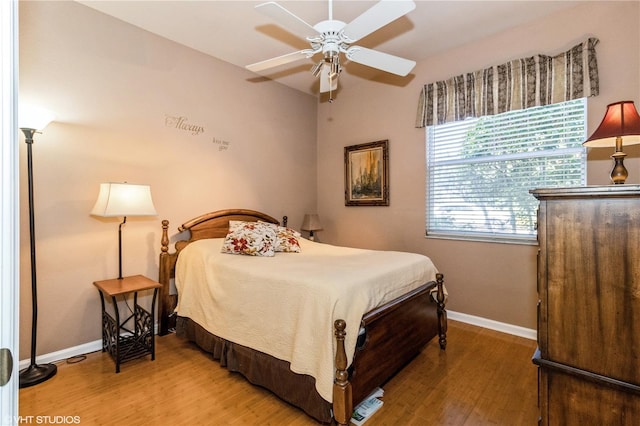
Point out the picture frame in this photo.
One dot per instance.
(366, 174)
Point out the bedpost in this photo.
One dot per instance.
(164, 241)
(342, 400)
(285, 220)
(442, 312)
(167, 262)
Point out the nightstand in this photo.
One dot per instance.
(122, 343)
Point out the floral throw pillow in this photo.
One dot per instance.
(287, 238)
(250, 238)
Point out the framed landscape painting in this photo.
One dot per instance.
(366, 174)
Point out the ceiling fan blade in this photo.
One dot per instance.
(280, 60)
(287, 20)
(379, 15)
(383, 61)
(328, 83)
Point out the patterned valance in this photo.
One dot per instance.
(521, 83)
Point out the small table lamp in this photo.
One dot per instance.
(311, 223)
(621, 119)
(123, 199)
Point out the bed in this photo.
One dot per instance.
(373, 333)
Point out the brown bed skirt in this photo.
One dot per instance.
(260, 369)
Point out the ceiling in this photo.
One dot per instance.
(234, 32)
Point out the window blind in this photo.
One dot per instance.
(480, 170)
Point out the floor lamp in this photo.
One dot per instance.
(30, 122)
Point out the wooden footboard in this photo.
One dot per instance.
(395, 332)
(393, 335)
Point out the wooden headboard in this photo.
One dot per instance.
(208, 225)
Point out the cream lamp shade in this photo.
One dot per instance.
(124, 199)
(30, 117)
(311, 223)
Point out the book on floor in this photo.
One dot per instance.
(367, 407)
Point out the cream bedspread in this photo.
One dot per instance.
(286, 305)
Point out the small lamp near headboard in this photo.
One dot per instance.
(311, 223)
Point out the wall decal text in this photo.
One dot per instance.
(222, 145)
(182, 123)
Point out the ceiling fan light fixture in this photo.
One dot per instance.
(335, 68)
(332, 37)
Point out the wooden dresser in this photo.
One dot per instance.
(589, 309)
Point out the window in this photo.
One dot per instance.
(480, 170)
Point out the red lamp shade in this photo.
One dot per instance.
(621, 119)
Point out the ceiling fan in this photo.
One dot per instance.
(333, 37)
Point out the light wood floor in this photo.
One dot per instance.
(483, 378)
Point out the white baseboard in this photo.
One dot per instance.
(85, 348)
(96, 345)
(516, 330)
